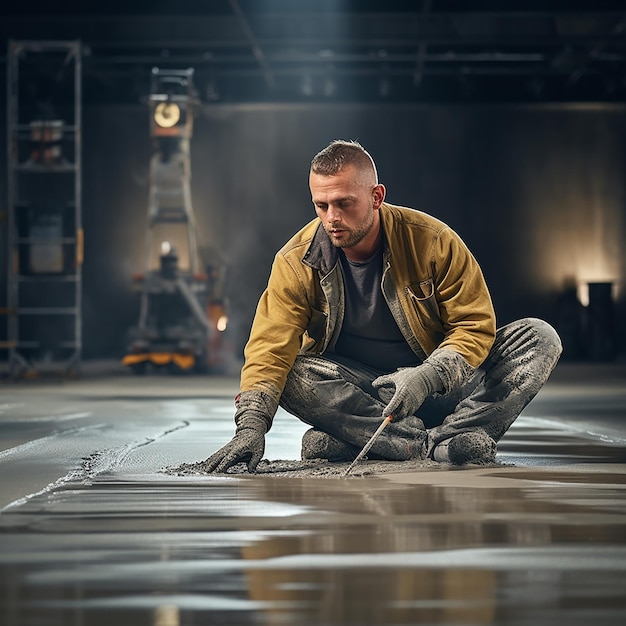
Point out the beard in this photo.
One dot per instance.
(352, 236)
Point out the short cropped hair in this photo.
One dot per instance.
(339, 153)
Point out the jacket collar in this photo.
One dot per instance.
(321, 254)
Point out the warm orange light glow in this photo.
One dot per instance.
(167, 114)
(222, 322)
(582, 288)
(574, 227)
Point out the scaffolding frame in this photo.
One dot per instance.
(53, 294)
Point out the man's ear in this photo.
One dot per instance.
(378, 195)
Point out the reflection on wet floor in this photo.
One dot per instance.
(475, 550)
(539, 539)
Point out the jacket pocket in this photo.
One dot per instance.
(422, 298)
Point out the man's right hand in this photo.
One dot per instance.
(247, 445)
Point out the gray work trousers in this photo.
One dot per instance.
(335, 395)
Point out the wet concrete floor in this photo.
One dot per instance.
(97, 528)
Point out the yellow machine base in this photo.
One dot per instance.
(183, 361)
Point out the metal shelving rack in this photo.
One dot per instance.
(45, 234)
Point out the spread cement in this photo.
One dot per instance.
(313, 468)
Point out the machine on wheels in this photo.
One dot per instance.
(183, 314)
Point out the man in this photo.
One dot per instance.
(374, 310)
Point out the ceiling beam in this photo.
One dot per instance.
(254, 45)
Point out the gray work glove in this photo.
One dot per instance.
(247, 445)
(405, 390)
(255, 410)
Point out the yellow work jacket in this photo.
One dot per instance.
(433, 285)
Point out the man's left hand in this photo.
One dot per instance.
(406, 389)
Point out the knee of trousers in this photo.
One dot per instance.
(303, 379)
(312, 369)
(545, 337)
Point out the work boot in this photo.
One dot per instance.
(316, 444)
(474, 447)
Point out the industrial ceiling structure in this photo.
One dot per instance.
(461, 51)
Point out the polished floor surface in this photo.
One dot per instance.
(95, 530)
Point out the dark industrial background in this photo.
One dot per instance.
(505, 119)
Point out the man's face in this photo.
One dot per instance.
(347, 203)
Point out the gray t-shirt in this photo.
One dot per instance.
(369, 333)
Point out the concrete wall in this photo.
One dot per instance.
(538, 193)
